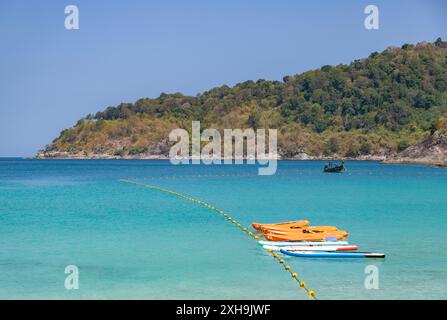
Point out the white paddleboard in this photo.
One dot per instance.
(302, 243)
(311, 248)
(319, 254)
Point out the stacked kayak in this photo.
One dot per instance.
(261, 226)
(306, 235)
(299, 231)
(299, 239)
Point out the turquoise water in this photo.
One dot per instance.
(136, 243)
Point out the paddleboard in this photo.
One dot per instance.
(316, 254)
(312, 248)
(302, 243)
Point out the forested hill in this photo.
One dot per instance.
(376, 106)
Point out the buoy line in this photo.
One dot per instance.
(199, 176)
(227, 217)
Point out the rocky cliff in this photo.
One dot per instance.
(431, 151)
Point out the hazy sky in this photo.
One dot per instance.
(125, 50)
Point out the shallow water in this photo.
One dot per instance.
(136, 243)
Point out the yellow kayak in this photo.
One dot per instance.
(305, 235)
(297, 224)
(293, 229)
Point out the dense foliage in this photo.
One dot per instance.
(377, 105)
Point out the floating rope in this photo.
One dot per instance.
(199, 176)
(230, 219)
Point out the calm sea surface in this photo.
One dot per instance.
(136, 243)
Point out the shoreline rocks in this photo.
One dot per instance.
(431, 151)
(41, 154)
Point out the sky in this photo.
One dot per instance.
(50, 77)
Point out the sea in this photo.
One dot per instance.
(71, 229)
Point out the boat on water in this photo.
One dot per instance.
(334, 168)
(321, 254)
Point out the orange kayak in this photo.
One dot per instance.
(297, 224)
(297, 229)
(306, 236)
